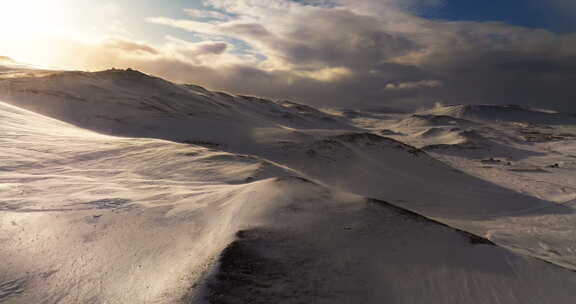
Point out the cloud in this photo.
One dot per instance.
(354, 53)
(206, 14)
(328, 74)
(422, 84)
(193, 50)
(129, 46)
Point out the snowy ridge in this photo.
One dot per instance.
(213, 198)
(130, 103)
(507, 113)
(269, 235)
(428, 120)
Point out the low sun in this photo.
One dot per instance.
(28, 17)
(34, 31)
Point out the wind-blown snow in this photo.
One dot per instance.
(196, 196)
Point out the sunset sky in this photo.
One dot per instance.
(336, 52)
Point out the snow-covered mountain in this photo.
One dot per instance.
(510, 113)
(119, 187)
(130, 103)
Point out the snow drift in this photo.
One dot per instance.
(205, 197)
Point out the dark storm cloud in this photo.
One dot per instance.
(365, 52)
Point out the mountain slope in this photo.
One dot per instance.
(508, 113)
(117, 220)
(176, 211)
(130, 103)
(534, 162)
(319, 145)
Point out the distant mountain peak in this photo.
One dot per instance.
(505, 113)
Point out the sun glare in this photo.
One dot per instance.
(26, 17)
(36, 31)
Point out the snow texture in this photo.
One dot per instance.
(119, 187)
